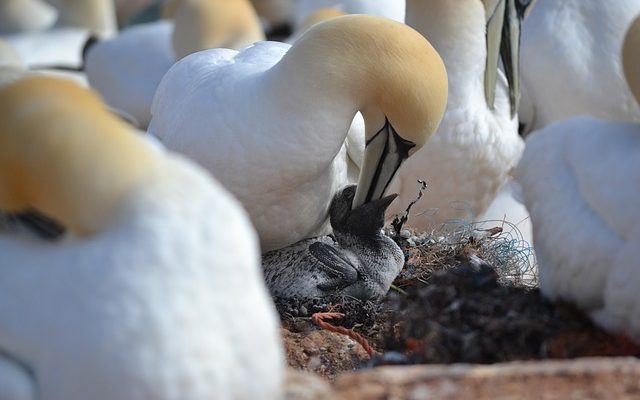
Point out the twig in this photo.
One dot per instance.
(399, 290)
(319, 319)
(400, 219)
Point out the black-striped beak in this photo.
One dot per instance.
(383, 155)
(503, 40)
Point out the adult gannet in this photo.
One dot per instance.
(393, 9)
(270, 121)
(469, 157)
(127, 69)
(580, 184)
(126, 9)
(319, 15)
(571, 64)
(275, 14)
(157, 293)
(359, 260)
(96, 16)
(62, 45)
(25, 15)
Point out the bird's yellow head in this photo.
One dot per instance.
(206, 24)
(398, 81)
(318, 16)
(391, 68)
(63, 154)
(631, 58)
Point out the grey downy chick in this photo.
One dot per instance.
(359, 260)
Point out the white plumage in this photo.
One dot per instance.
(9, 56)
(469, 157)
(18, 16)
(571, 64)
(271, 122)
(127, 69)
(392, 9)
(581, 184)
(156, 293)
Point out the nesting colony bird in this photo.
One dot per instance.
(571, 64)
(96, 16)
(319, 15)
(470, 156)
(580, 184)
(127, 9)
(17, 16)
(141, 299)
(61, 46)
(275, 13)
(127, 69)
(359, 260)
(392, 9)
(271, 121)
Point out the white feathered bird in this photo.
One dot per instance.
(127, 69)
(271, 121)
(155, 293)
(571, 62)
(470, 156)
(581, 184)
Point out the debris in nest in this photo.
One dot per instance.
(401, 219)
(319, 319)
(466, 294)
(457, 241)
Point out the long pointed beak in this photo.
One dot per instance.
(503, 39)
(495, 23)
(383, 155)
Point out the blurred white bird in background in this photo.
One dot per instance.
(127, 69)
(469, 158)
(392, 9)
(571, 62)
(581, 184)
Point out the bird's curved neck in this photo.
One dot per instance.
(457, 31)
(332, 88)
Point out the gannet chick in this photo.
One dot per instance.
(359, 260)
(580, 184)
(127, 69)
(141, 300)
(271, 120)
(471, 155)
(571, 62)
